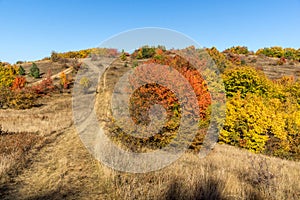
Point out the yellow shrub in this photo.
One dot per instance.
(247, 122)
(8, 74)
(237, 50)
(220, 59)
(245, 80)
(265, 125)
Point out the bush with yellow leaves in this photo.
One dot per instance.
(8, 74)
(262, 115)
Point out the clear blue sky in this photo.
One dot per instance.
(31, 29)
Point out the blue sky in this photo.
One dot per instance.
(31, 29)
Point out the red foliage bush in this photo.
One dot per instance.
(150, 94)
(18, 83)
(191, 75)
(45, 86)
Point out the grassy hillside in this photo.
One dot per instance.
(59, 166)
(42, 156)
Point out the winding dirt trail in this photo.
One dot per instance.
(59, 167)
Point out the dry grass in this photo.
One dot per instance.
(63, 168)
(227, 173)
(54, 114)
(271, 68)
(6, 163)
(14, 148)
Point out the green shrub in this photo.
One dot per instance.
(135, 63)
(290, 53)
(19, 62)
(298, 55)
(22, 71)
(243, 62)
(34, 71)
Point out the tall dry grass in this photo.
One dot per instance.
(227, 173)
(63, 168)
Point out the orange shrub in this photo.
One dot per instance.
(150, 94)
(45, 86)
(18, 83)
(192, 76)
(64, 82)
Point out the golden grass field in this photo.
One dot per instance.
(54, 164)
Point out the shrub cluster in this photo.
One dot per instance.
(220, 59)
(279, 52)
(83, 53)
(17, 95)
(237, 50)
(148, 95)
(147, 52)
(245, 80)
(262, 115)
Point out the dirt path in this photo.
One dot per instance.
(60, 167)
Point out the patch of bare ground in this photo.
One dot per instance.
(271, 67)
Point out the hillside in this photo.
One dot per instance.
(43, 157)
(271, 67)
(59, 166)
